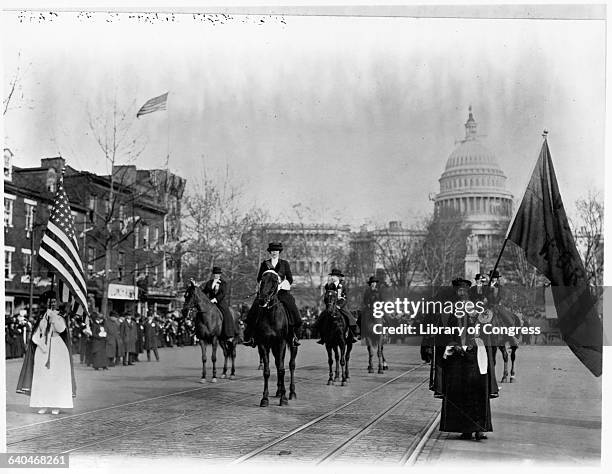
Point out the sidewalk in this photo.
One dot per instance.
(551, 414)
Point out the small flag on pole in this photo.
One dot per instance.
(60, 249)
(153, 105)
(542, 230)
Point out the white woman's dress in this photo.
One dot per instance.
(51, 386)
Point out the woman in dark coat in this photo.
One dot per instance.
(98, 343)
(215, 289)
(151, 327)
(114, 346)
(129, 334)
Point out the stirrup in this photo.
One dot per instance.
(295, 342)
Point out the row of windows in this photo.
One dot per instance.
(122, 272)
(490, 205)
(466, 160)
(471, 182)
(8, 212)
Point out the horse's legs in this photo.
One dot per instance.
(379, 354)
(292, 357)
(213, 357)
(233, 354)
(504, 353)
(382, 351)
(512, 358)
(343, 362)
(330, 361)
(264, 354)
(337, 357)
(225, 350)
(203, 348)
(370, 368)
(349, 348)
(279, 358)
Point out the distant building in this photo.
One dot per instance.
(474, 185)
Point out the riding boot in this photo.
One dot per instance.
(295, 342)
(248, 338)
(351, 334)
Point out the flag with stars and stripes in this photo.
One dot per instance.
(59, 247)
(153, 105)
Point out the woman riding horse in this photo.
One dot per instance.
(337, 338)
(283, 270)
(215, 290)
(323, 320)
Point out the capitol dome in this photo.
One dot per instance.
(474, 185)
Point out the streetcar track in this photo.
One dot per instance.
(364, 429)
(414, 450)
(306, 380)
(316, 420)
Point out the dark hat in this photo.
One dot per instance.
(461, 283)
(216, 270)
(47, 295)
(494, 274)
(275, 246)
(373, 280)
(336, 272)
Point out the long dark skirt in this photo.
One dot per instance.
(465, 406)
(98, 353)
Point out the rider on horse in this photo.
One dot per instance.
(337, 285)
(215, 289)
(282, 268)
(371, 295)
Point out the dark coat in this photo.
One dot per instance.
(229, 328)
(150, 335)
(282, 268)
(114, 343)
(98, 345)
(342, 293)
(129, 334)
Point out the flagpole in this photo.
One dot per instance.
(545, 136)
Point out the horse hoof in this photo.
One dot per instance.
(330, 382)
(232, 377)
(385, 367)
(213, 380)
(224, 376)
(260, 367)
(343, 384)
(277, 394)
(381, 371)
(264, 402)
(202, 380)
(512, 379)
(292, 396)
(283, 402)
(370, 370)
(504, 379)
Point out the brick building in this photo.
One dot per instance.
(139, 228)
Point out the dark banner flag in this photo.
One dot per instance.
(542, 230)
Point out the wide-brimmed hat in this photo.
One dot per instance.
(216, 270)
(461, 283)
(480, 277)
(373, 279)
(275, 246)
(336, 272)
(494, 274)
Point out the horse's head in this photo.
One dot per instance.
(330, 299)
(191, 300)
(268, 287)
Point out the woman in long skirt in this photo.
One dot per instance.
(98, 343)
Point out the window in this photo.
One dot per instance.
(51, 180)
(121, 212)
(8, 165)
(30, 207)
(145, 237)
(26, 258)
(155, 273)
(8, 210)
(155, 237)
(147, 269)
(121, 265)
(8, 262)
(136, 235)
(92, 204)
(91, 260)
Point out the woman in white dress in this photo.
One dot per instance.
(52, 385)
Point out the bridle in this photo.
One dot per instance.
(270, 297)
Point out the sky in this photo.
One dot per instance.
(353, 117)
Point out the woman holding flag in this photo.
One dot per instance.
(47, 374)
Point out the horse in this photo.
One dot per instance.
(272, 333)
(229, 348)
(503, 317)
(373, 340)
(208, 324)
(336, 338)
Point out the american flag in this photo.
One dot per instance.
(153, 105)
(60, 249)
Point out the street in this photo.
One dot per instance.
(161, 411)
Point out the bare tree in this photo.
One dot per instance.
(400, 254)
(112, 129)
(588, 234)
(444, 248)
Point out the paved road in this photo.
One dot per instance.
(160, 411)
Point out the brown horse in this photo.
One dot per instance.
(208, 324)
(229, 348)
(271, 333)
(336, 339)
